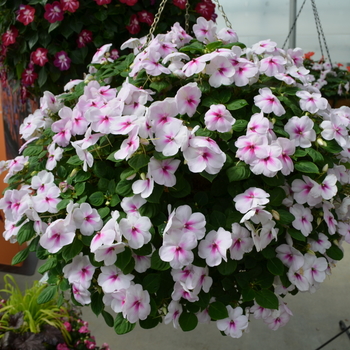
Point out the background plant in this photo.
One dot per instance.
(46, 43)
(195, 178)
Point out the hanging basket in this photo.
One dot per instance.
(193, 180)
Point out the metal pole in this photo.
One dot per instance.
(292, 21)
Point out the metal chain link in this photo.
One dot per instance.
(293, 25)
(187, 16)
(221, 9)
(155, 22)
(320, 31)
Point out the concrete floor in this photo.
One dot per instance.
(316, 320)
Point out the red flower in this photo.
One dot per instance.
(25, 14)
(340, 65)
(53, 12)
(129, 3)
(39, 56)
(145, 17)
(9, 37)
(205, 9)
(308, 55)
(29, 77)
(103, 2)
(84, 38)
(348, 68)
(134, 26)
(180, 4)
(69, 5)
(62, 61)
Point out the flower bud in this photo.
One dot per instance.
(325, 168)
(275, 214)
(319, 220)
(74, 172)
(321, 142)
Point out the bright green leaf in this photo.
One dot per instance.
(266, 299)
(47, 294)
(122, 326)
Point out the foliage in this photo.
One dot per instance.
(32, 39)
(193, 180)
(334, 82)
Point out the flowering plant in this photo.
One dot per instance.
(44, 43)
(333, 81)
(26, 322)
(193, 180)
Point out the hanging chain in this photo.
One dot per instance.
(320, 32)
(221, 9)
(293, 25)
(155, 22)
(187, 17)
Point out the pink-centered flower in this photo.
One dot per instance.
(62, 61)
(87, 219)
(214, 246)
(188, 99)
(235, 324)
(137, 304)
(301, 131)
(29, 76)
(53, 12)
(112, 279)
(136, 230)
(268, 102)
(84, 37)
(25, 14)
(303, 219)
(250, 199)
(218, 118)
(162, 171)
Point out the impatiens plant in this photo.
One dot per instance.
(192, 180)
(332, 80)
(44, 42)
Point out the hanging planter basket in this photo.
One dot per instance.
(194, 180)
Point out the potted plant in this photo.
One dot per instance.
(28, 322)
(45, 43)
(332, 80)
(193, 180)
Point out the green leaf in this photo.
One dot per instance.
(217, 310)
(79, 188)
(210, 177)
(32, 151)
(122, 326)
(71, 250)
(239, 125)
(97, 198)
(49, 264)
(156, 194)
(316, 156)
(237, 104)
(103, 212)
(150, 322)
(201, 199)
(33, 40)
(157, 263)
(296, 234)
(53, 26)
(159, 85)
(277, 195)
(42, 77)
(286, 217)
(266, 299)
(146, 249)
(139, 161)
(332, 147)
(108, 318)
(74, 160)
(213, 45)
(47, 294)
(82, 176)
(127, 173)
(123, 259)
(151, 282)
(275, 266)
(300, 153)
(124, 188)
(306, 167)
(26, 232)
(63, 204)
(248, 294)
(20, 256)
(64, 285)
(188, 321)
(238, 173)
(217, 219)
(334, 252)
(97, 304)
(115, 200)
(227, 268)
